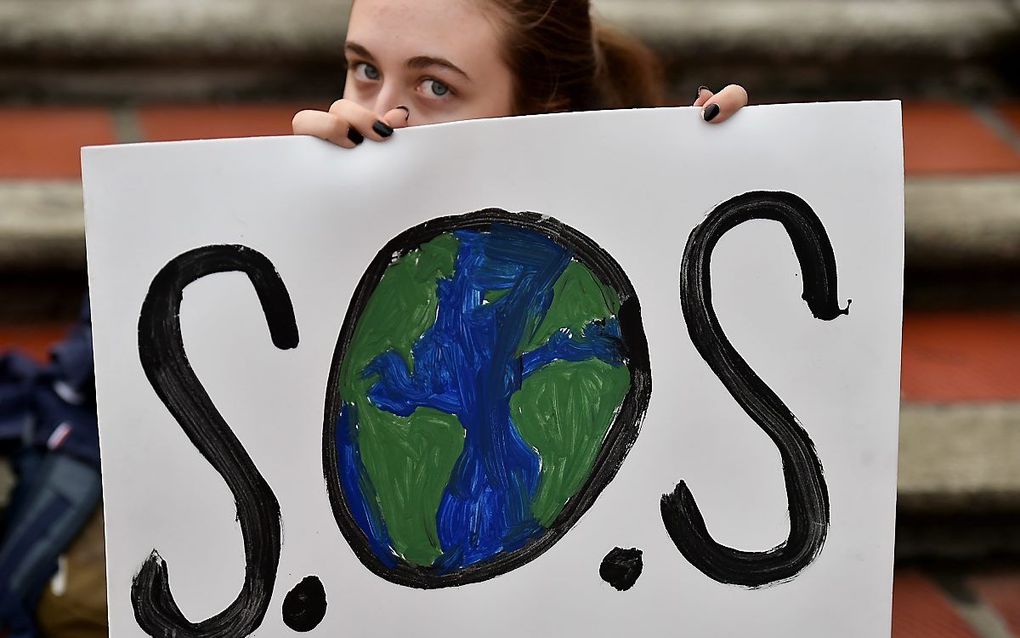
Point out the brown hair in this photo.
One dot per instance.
(564, 60)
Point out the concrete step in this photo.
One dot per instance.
(963, 222)
(782, 49)
(105, 29)
(42, 226)
(960, 457)
(959, 481)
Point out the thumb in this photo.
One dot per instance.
(398, 117)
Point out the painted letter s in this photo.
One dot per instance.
(161, 349)
(802, 470)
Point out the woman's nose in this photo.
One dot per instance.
(388, 98)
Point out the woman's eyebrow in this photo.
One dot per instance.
(357, 49)
(423, 61)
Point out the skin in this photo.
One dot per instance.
(411, 62)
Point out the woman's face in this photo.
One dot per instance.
(439, 58)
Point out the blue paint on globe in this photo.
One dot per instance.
(469, 363)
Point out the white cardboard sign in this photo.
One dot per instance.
(588, 374)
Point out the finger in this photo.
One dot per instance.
(724, 104)
(362, 120)
(322, 125)
(399, 117)
(704, 93)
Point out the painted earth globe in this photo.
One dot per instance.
(490, 377)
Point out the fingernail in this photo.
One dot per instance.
(407, 118)
(382, 129)
(354, 136)
(710, 112)
(700, 89)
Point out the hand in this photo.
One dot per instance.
(718, 107)
(347, 123)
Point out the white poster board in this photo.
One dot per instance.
(643, 187)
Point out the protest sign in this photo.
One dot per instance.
(568, 375)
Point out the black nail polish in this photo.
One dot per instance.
(382, 129)
(700, 89)
(407, 111)
(354, 136)
(710, 112)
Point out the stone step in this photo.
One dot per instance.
(959, 482)
(105, 29)
(782, 49)
(962, 222)
(960, 457)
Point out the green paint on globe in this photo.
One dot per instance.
(563, 410)
(408, 459)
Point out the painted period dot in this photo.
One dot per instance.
(304, 607)
(621, 567)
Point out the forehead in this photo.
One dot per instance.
(396, 30)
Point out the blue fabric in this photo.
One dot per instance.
(56, 496)
(72, 360)
(18, 376)
(48, 424)
(36, 400)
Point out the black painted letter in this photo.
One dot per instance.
(161, 349)
(802, 470)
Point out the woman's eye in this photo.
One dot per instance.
(365, 71)
(435, 88)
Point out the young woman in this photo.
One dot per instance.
(412, 62)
